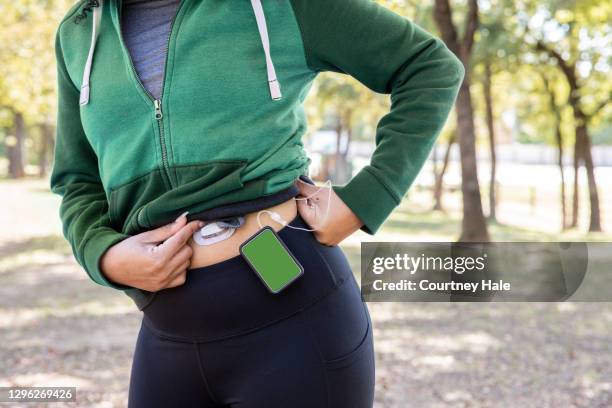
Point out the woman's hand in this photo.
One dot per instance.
(152, 260)
(331, 228)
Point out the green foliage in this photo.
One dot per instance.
(579, 30)
(27, 72)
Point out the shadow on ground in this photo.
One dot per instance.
(57, 327)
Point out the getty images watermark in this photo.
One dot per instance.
(509, 271)
(413, 264)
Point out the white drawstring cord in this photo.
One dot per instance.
(273, 83)
(95, 31)
(276, 216)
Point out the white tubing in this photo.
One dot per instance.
(279, 219)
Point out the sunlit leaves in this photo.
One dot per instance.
(27, 72)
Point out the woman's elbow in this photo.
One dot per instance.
(452, 65)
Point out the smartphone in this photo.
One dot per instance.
(271, 260)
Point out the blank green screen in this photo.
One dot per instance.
(271, 260)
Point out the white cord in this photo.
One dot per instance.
(260, 17)
(277, 217)
(95, 32)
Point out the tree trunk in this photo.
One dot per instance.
(46, 146)
(341, 171)
(583, 142)
(595, 219)
(491, 131)
(349, 139)
(576, 186)
(559, 139)
(439, 184)
(15, 148)
(339, 130)
(474, 226)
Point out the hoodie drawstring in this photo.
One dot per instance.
(273, 84)
(95, 30)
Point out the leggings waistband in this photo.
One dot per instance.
(228, 299)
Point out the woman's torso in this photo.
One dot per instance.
(214, 136)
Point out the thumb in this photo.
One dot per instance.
(165, 231)
(305, 188)
(307, 212)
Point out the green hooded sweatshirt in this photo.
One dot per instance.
(229, 123)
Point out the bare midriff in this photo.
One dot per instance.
(205, 255)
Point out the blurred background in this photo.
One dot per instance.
(525, 156)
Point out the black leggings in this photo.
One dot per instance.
(223, 340)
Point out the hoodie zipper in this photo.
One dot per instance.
(159, 115)
(157, 103)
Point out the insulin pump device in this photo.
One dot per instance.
(264, 251)
(271, 260)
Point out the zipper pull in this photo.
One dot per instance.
(158, 111)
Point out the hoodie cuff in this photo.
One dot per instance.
(368, 198)
(93, 252)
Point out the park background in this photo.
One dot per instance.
(525, 156)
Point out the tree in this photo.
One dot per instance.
(583, 154)
(439, 174)
(488, 97)
(27, 72)
(474, 227)
(15, 147)
(576, 26)
(46, 145)
(350, 106)
(556, 111)
(494, 53)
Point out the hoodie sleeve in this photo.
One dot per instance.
(84, 208)
(390, 55)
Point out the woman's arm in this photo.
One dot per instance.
(391, 55)
(75, 177)
(152, 260)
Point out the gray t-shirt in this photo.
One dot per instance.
(146, 28)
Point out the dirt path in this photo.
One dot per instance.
(57, 328)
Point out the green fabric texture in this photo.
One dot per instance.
(84, 208)
(121, 167)
(388, 54)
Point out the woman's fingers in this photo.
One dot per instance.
(154, 259)
(158, 235)
(178, 259)
(176, 266)
(176, 272)
(308, 212)
(178, 280)
(170, 259)
(178, 240)
(325, 212)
